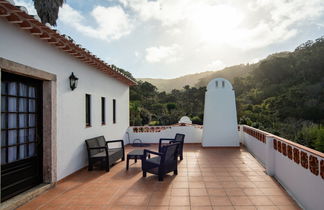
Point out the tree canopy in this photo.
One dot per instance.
(48, 10)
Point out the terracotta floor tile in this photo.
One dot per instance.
(159, 201)
(281, 200)
(271, 191)
(198, 192)
(266, 184)
(49, 206)
(201, 208)
(196, 185)
(177, 192)
(158, 208)
(267, 208)
(179, 201)
(253, 192)
(216, 192)
(245, 184)
(260, 200)
(220, 201)
(223, 208)
(181, 185)
(245, 208)
(240, 200)
(234, 191)
(179, 208)
(200, 201)
(207, 179)
(132, 201)
(229, 184)
(288, 207)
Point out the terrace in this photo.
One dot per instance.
(217, 178)
(209, 178)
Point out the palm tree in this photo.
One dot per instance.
(48, 10)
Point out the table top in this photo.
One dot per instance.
(138, 152)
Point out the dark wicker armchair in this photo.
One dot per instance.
(164, 162)
(98, 150)
(179, 138)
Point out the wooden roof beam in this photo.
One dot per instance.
(3, 12)
(25, 25)
(12, 18)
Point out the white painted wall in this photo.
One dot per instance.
(220, 123)
(19, 46)
(255, 147)
(306, 188)
(193, 134)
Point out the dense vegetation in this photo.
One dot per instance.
(282, 94)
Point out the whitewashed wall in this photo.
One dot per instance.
(19, 46)
(256, 148)
(193, 134)
(220, 121)
(304, 186)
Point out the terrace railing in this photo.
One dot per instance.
(299, 169)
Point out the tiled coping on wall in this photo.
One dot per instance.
(156, 129)
(304, 156)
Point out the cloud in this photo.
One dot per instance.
(28, 4)
(252, 25)
(165, 54)
(215, 65)
(112, 23)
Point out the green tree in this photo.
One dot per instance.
(48, 10)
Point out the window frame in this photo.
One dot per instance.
(88, 110)
(114, 111)
(103, 110)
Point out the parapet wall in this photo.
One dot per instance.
(299, 169)
(152, 134)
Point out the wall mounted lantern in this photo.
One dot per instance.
(73, 81)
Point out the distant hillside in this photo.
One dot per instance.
(200, 79)
(177, 83)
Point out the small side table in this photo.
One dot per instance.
(134, 154)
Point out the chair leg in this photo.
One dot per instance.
(160, 177)
(181, 157)
(90, 166)
(107, 164)
(175, 172)
(144, 173)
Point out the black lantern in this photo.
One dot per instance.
(73, 81)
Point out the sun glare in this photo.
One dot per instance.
(216, 24)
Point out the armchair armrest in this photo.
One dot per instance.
(115, 141)
(97, 148)
(166, 139)
(112, 141)
(151, 152)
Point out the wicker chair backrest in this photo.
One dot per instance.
(96, 142)
(179, 137)
(170, 152)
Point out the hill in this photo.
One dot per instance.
(177, 83)
(199, 79)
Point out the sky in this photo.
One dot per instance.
(172, 38)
